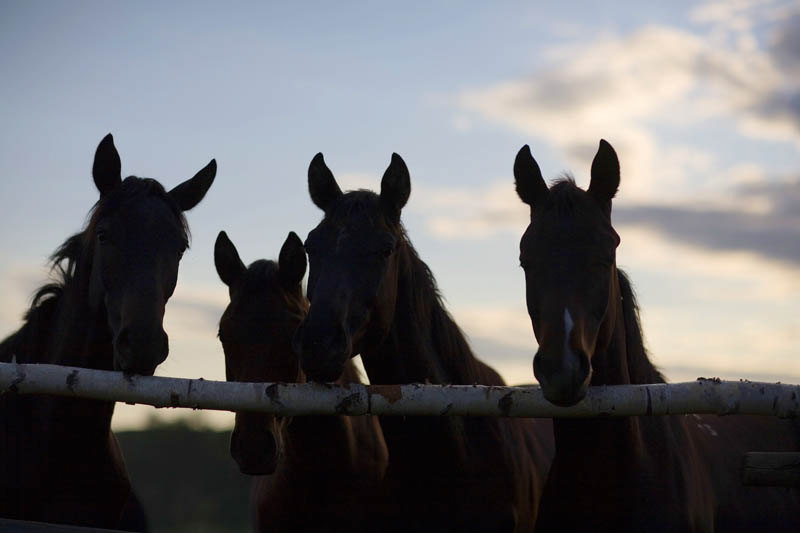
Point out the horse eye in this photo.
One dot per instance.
(101, 236)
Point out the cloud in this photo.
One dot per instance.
(717, 276)
(470, 213)
(625, 88)
(18, 283)
(773, 234)
(196, 306)
(757, 216)
(507, 323)
(785, 46)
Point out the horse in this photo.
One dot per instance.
(313, 471)
(663, 473)
(59, 460)
(371, 294)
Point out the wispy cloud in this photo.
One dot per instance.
(719, 281)
(622, 87)
(757, 216)
(729, 310)
(18, 283)
(773, 231)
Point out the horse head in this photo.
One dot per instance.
(138, 234)
(353, 257)
(256, 332)
(568, 253)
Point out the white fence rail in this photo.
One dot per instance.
(702, 396)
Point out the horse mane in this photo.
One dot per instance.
(131, 190)
(457, 363)
(351, 374)
(456, 358)
(563, 198)
(563, 195)
(27, 342)
(263, 274)
(640, 368)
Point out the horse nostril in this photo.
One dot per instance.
(546, 367)
(297, 339)
(584, 366)
(164, 348)
(537, 368)
(564, 377)
(254, 450)
(123, 341)
(270, 445)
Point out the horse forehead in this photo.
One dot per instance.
(149, 217)
(558, 238)
(354, 231)
(152, 208)
(567, 229)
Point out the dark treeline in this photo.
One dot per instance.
(177, 495)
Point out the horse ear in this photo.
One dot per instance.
(107, 168)
(528, 179)
(322, 185)
(189, 193)
(292, 261)
(229, 266)
(395, 186)
(605, 174)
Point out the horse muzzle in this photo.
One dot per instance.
(255, 452)
(140, 353)
(565, 379)
(322, 353)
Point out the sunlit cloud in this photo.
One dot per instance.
(720, 284)
(621, 87)
(18, 283)
(727, 310)
(730, 315)
(765, 220)
(757, 216)
(507, 324)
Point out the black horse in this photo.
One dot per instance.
(370, 293)
(59, 460)
(314, 472)
(664, 473)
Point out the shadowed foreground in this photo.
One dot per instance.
(186, 480)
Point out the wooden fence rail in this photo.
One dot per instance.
(710, 396)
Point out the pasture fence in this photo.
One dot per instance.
(703, 396)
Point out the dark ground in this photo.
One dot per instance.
(186, 480)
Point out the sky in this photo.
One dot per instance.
(701, 101)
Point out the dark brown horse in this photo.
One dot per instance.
(371, 294)
(59, 460)
(667, 473)
(314, 471)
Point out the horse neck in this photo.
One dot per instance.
(623, 362)
(80, 334)
(320, 443)
(424, 344)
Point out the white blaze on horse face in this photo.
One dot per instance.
(567, 331)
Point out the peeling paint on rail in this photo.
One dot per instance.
(704, 396)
